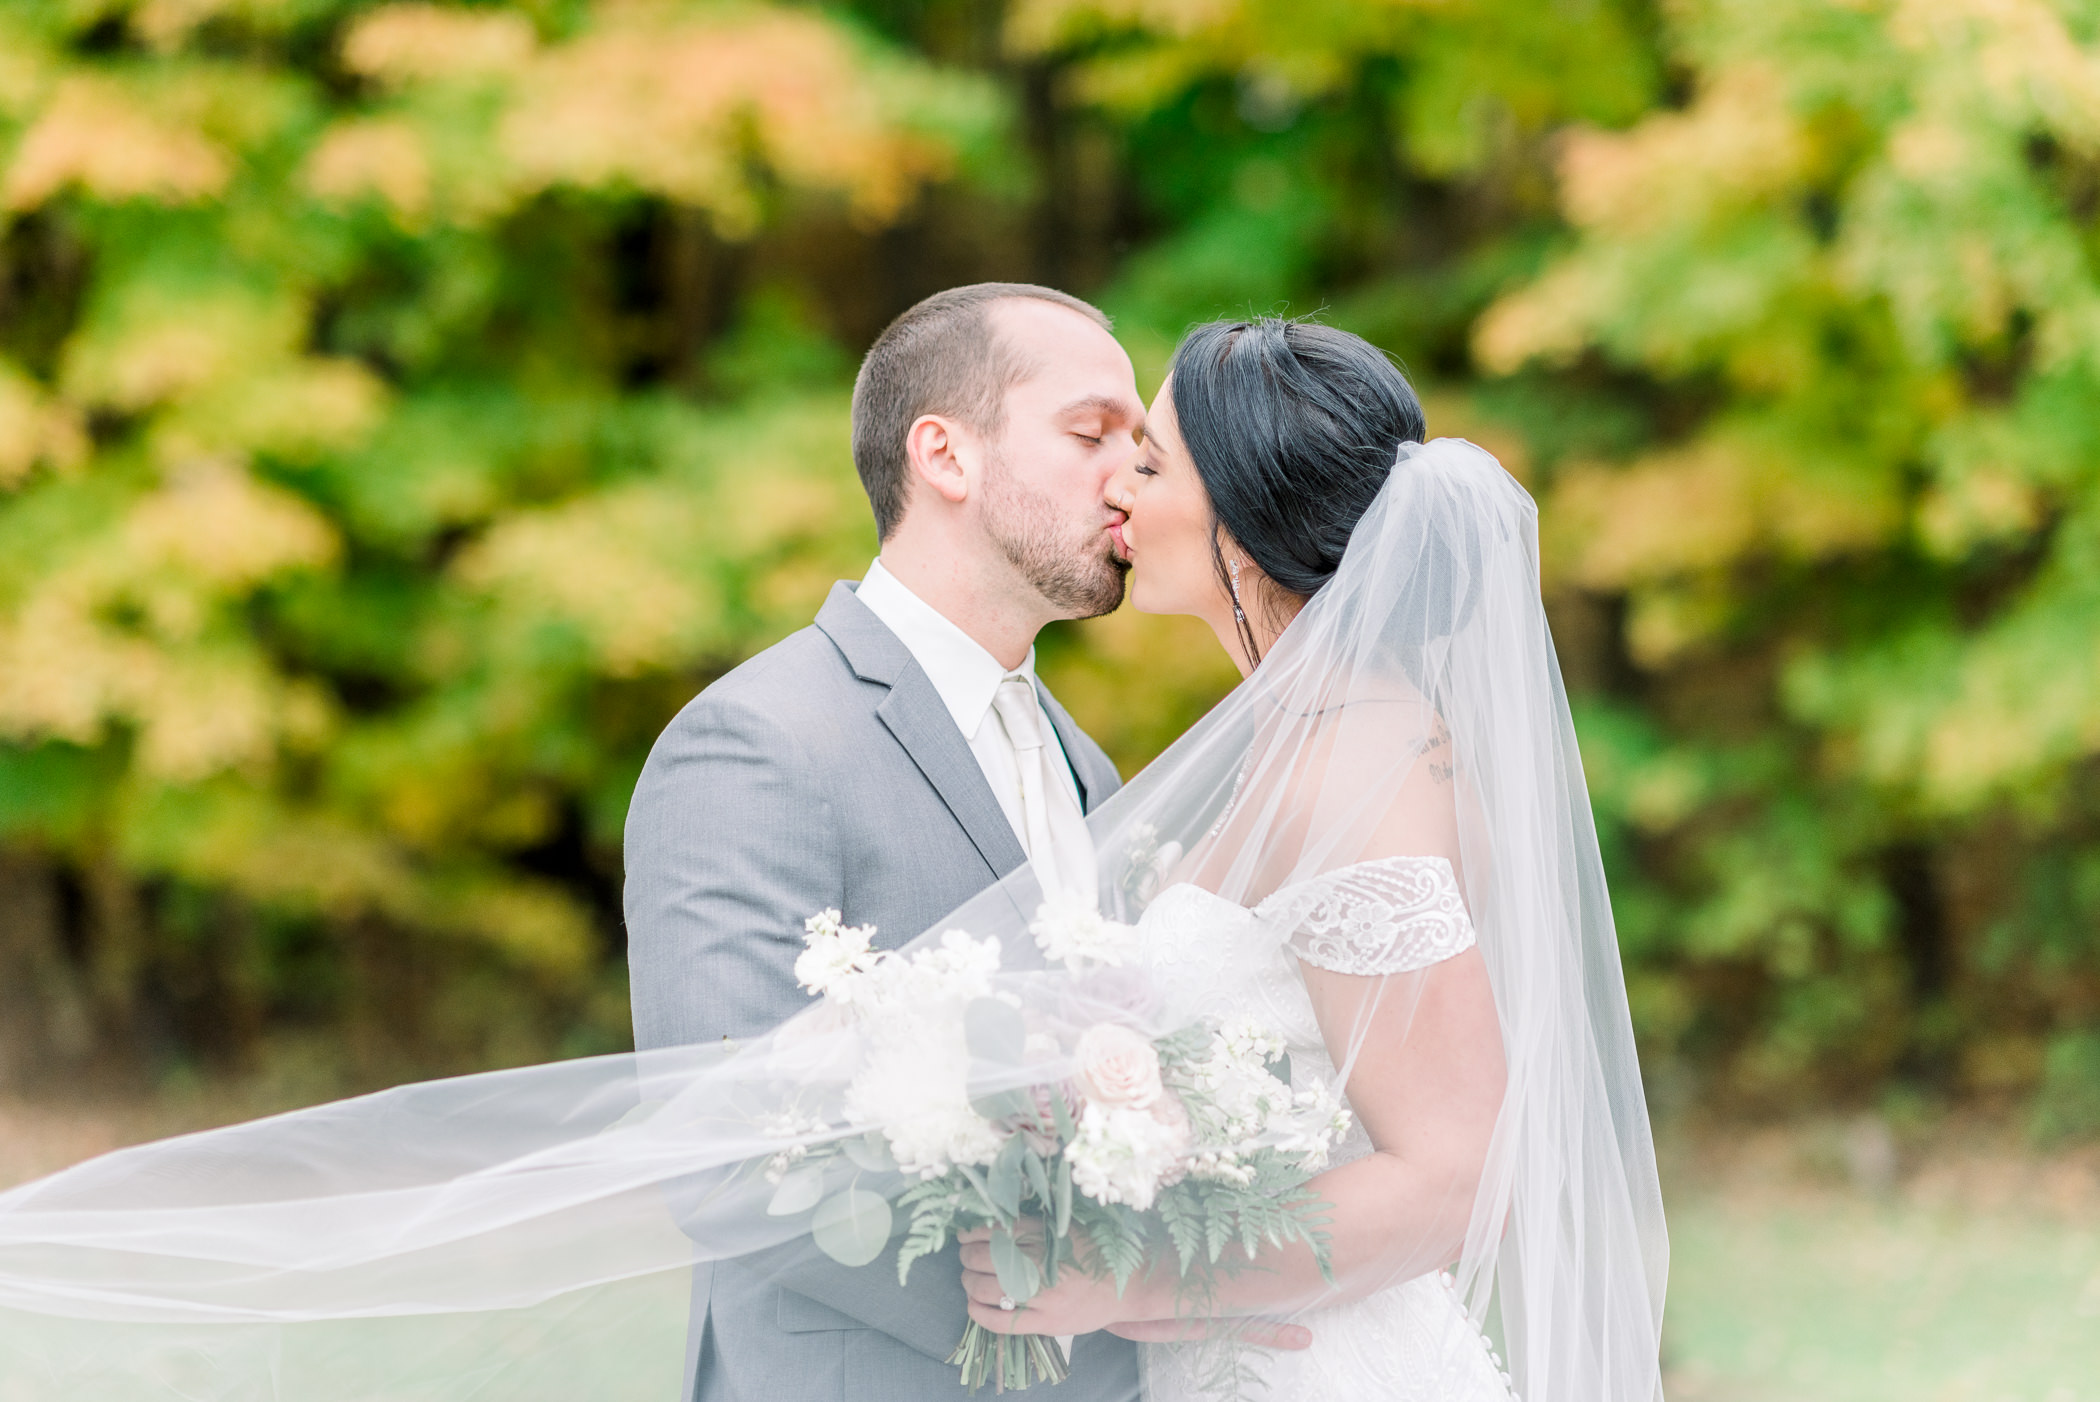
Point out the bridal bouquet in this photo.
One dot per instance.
(1118, 1143)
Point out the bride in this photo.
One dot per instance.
(1379, 844)
(1334, 896)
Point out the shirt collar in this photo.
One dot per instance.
(962, 672)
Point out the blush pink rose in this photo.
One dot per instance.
(1117, 1067)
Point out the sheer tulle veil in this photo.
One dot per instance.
(529, 1232)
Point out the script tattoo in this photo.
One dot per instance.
(1441, 766)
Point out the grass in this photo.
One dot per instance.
(1974, 1276)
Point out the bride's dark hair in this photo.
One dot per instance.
(1293, 427)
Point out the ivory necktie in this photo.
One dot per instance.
(1056, 838)
(1055, 830)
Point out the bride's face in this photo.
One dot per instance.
(1166, 534)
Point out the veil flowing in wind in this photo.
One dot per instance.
(528, 1233)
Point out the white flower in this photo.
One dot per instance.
(1073, 934)
(914, 1088)
(1124, 1155)
(1244, 1038)
(1314, 1123)
(1149, 863)
(1221, 1166)
(842, 965)
(928, 1144)
(912, 1082)
(837, 955)
(1235, 1097)
(789, 1124)
(956, 970)
(1117, 1066)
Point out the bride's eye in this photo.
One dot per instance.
(1144, 470)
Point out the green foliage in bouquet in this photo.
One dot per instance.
(1041, 1225)
(1088, 1148)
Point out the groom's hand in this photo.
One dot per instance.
(1082, 1302)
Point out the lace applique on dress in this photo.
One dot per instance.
(1393, 915)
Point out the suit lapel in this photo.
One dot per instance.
(913, 713)
(922, 725)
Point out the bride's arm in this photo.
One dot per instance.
(1427, 1084)
(1422, 1047)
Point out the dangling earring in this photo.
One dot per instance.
(1239, 615)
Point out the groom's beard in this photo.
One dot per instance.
(1074, 567)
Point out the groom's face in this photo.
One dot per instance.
(1073, 421)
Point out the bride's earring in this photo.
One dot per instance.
(1239, 615)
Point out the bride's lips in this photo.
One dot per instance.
(1115, 533)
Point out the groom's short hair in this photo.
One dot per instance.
(940, 357)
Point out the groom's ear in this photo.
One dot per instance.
(942, 455)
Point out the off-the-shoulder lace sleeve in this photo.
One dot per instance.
(1389, 916)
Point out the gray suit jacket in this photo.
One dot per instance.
(825, 772)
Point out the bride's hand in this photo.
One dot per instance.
(1082, 1302)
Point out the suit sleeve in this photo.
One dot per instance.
(731, 844)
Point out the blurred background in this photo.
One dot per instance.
(404, 409)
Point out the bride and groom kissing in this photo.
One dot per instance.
(900, 755)
(1324, 1073)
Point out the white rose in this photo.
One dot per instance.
(1117, 1067)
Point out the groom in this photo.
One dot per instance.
(891, 761)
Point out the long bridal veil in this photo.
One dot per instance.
(529, 1233)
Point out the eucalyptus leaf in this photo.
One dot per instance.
(1000, 1104)
(1018, 1274)
(1280, 1068)
(1038, 1176)
(976, 1180)
(871, 1152)
(799, 1190)
(1064, 1196)
(852, 1227)
(1062, 1113)
(1003, 1180)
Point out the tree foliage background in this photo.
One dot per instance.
(404, 408)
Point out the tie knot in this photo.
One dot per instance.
(1015, 703)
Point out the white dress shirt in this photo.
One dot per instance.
(966, 677)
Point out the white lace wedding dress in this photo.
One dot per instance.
(1411, 1341)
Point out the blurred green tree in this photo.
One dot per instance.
(1854, 281)
(404, 408)
(381, 469)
